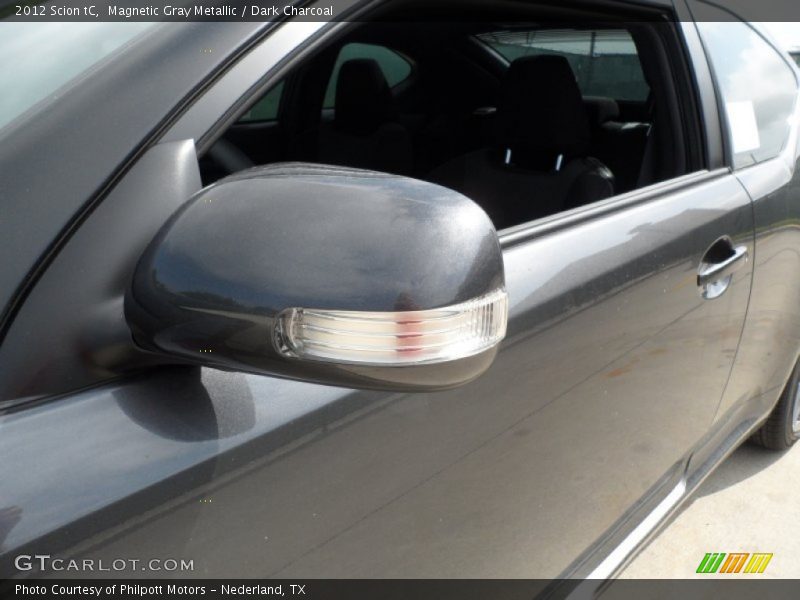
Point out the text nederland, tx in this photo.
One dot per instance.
(125, 589)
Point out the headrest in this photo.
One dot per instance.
(601, 109)
(540, 108)
(363, 98)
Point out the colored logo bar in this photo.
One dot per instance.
(735, 562)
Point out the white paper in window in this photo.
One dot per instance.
(744, 128)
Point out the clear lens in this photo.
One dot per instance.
(394, 338)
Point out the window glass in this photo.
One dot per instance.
(758, 90)
(605, 62)
(395, 68)
(265, 109)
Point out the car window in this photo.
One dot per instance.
(267, 108)
(395, 67)
(605, 62)
(758, 115)
(40, 58)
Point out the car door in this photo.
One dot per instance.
(761, 132)
(612, 370)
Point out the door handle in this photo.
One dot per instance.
(714, 271)
(718, 266)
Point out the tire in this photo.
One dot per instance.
(782, 429)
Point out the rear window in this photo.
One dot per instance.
(759, 90)
(605, 62)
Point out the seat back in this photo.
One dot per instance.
(538, 163)
(364, 132)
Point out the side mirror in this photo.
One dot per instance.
(325, 274)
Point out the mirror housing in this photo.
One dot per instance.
(325, 274)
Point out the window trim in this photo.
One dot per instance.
(526, 232)
(245, 82)
(206, 130)
(711, 125)
(703, 108)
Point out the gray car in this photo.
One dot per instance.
(395, 295)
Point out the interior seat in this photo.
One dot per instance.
(539, 163)
(600, 110)
(364, 132)
(618, 144)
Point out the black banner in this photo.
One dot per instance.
(319, 10)
(403, 589)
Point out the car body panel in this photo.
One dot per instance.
(435, 473)
(93, 339)
(55, 167)
(771, 339)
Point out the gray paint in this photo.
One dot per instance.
(55, 166)
(68, 335)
